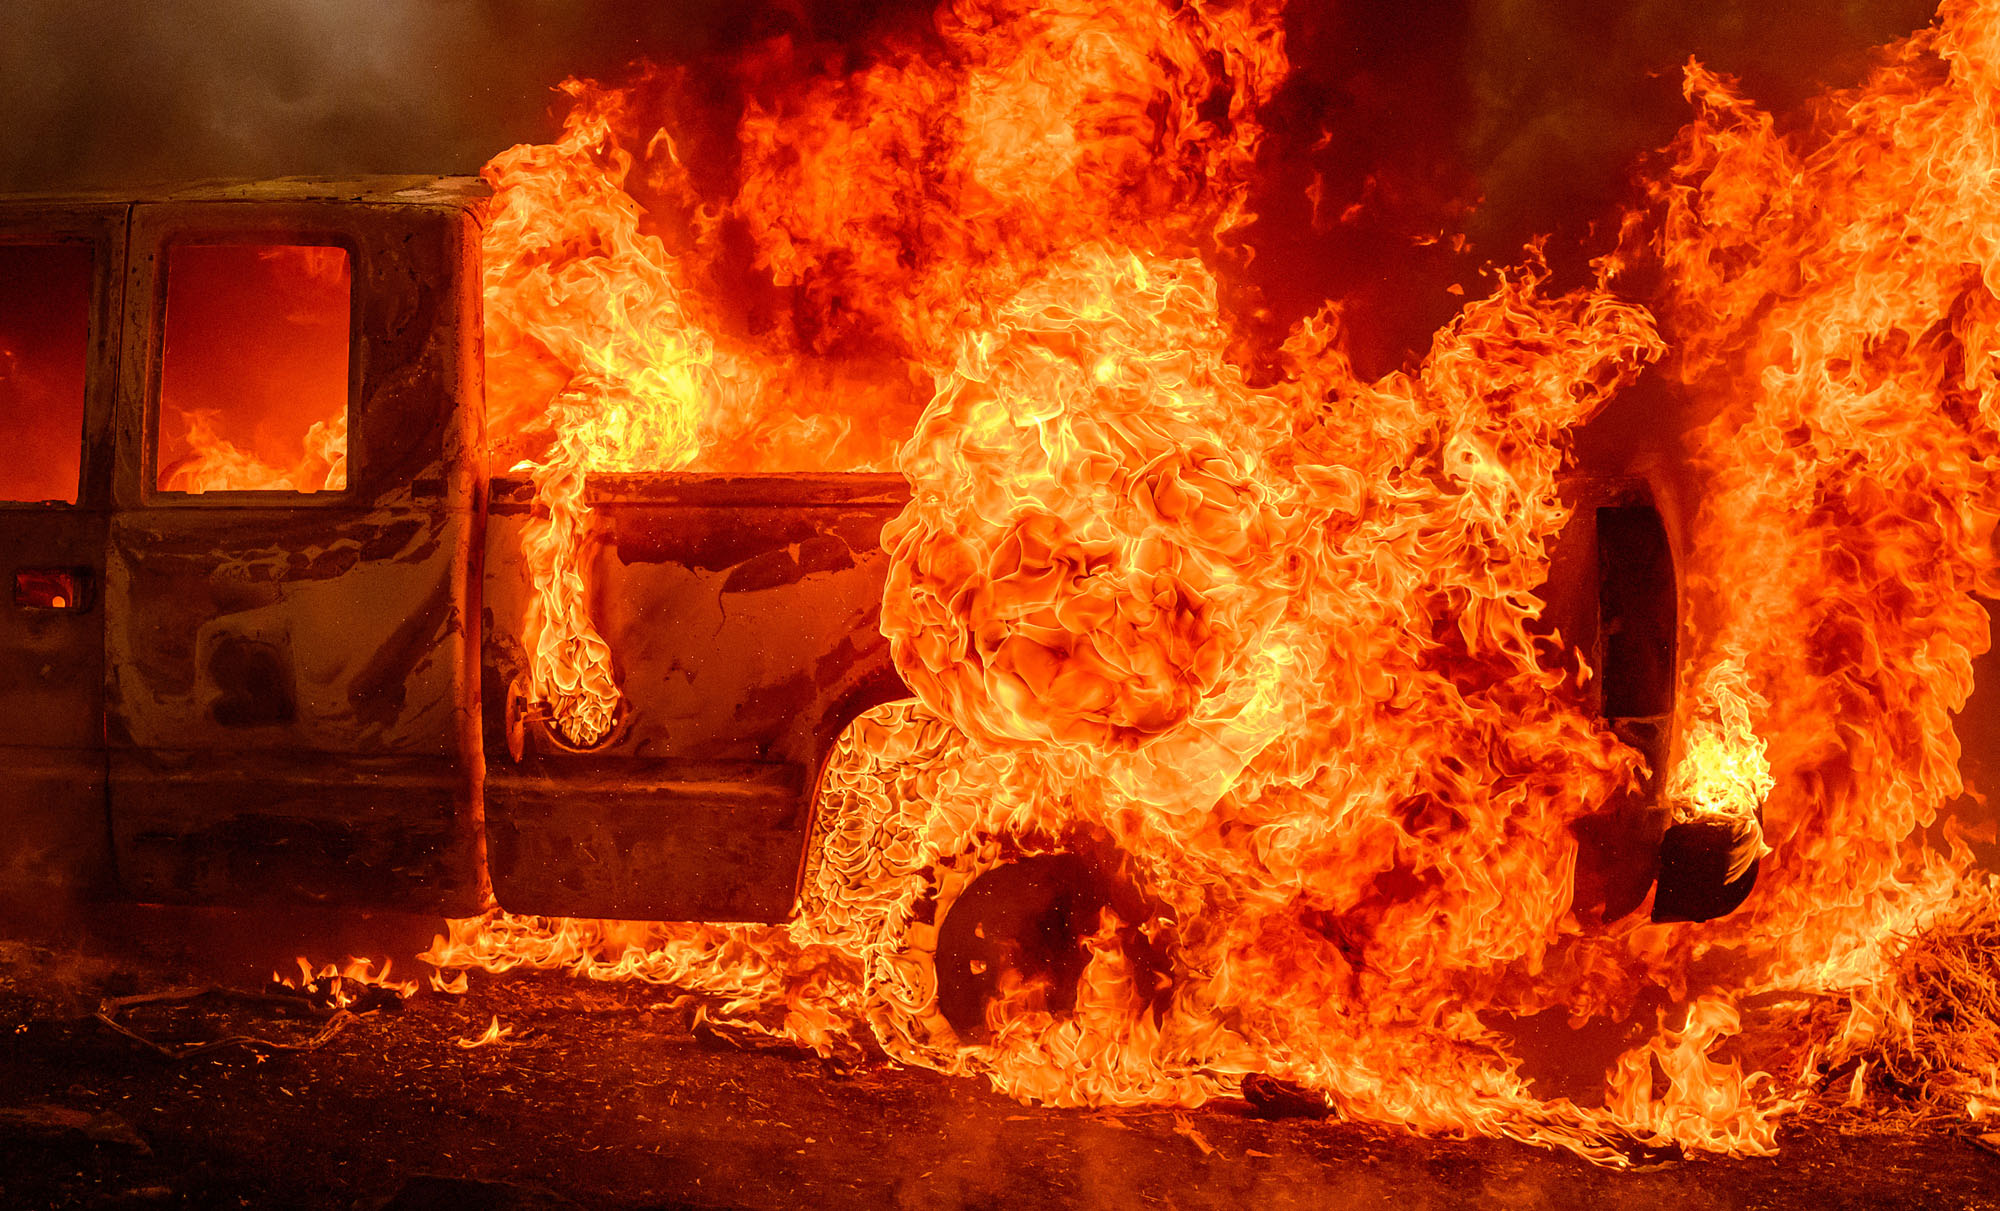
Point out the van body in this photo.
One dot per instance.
(249, 697)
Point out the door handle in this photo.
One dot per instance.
(54, 590)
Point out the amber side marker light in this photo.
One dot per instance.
(62, 589)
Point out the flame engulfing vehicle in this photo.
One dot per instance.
(982, 645)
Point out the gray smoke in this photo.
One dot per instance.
(1566, 93)
(1502, 119)
(108, 93)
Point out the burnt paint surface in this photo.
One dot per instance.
(52, 661)
(290, 708)
(743, 614)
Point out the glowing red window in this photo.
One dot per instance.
(44, 347)
(253, 380)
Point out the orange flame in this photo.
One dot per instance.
(1722, 773)
(338, 984)
(580, 301)
(258, 346)
(1273, 635)
(216, 464)
(1834, 314)
(493, 1033)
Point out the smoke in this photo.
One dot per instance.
(104, 94)
(1565, 94)
(1497, 120)
(1501, 121)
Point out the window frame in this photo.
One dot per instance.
(99, 318)
(150, 493)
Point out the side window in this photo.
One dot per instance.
(254, 374)
(44, 350)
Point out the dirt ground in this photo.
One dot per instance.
(611, 1096)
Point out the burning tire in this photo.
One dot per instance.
(943, 938)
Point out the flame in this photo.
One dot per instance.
(1833, 314)
(1722, 773)
(493, 1033)
(258, 347)
(1706, 1099)
(339, 985)
(216, 464)
(579, 300)
(600, 359)
(1266, 630)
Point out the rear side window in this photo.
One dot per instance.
(254, 374)
(44, 349)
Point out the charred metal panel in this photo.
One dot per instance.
(743, 615)
(1637, 608)
(1614, 597)
(308, 828)
(647, 839)
(1585, 565)
(290, 701)
(52, 757)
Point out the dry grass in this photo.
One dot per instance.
(1949, 977)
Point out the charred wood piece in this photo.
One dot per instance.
(1273, 1098)
(108, 1011)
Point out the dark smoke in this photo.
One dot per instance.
(98, 94)
(1504, 120)
(1501, 120)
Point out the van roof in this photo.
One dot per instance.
(378, 190)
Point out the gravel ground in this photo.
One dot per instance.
(609, 1096)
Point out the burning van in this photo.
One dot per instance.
(268, 595)
(888, 569)
(272, 608)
